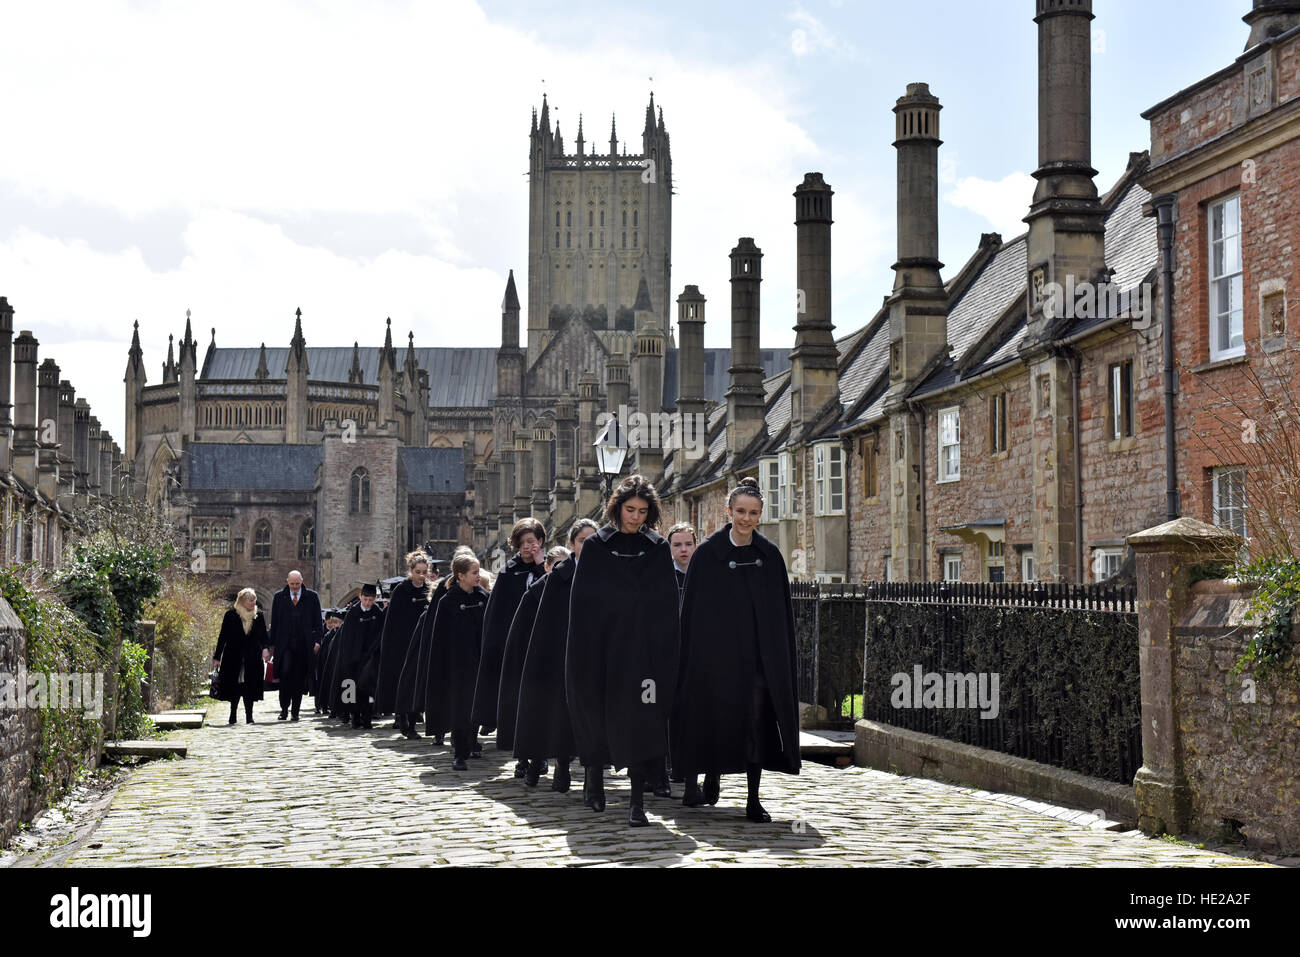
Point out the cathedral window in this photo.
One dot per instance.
(602, 219)
(602, 240)
(589, 243)
(625, 217)
(557, 238)
(262, 541)
(557, 219)
(568, 218)
(591, 218)
(625, 240)
(359, 499)
(568, 240)
(307, 541)
(636, 217)
(212, 537)
(634, 243)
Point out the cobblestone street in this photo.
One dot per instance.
(314, 793)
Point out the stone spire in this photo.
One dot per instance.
(354, 374)
(296, 371)
(262, 372)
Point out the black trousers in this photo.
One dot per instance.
(248, 705)
(290, 702)
(461, 741)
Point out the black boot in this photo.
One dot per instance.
(593, 788)
(692, 797)
(712, 788)
(636, 806)
(662, 788)
(248, 713)
(753, 810)
(521, 769)
(532, 772)
(561, 781)
(234, 711)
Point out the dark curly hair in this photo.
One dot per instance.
(634, 486)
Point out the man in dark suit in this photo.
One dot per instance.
(296, 627)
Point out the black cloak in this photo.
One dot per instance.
(543, 728)
(403, 612)
(456, 627)
(621, 662)
(507, 590)
(410, 689)
(236, 649)
(323, 665)
(512, 663)
(358, 653)
(736, 623)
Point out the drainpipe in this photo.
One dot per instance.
(1166, 207)
(918, 411)
(1076, 368)
(846, 443)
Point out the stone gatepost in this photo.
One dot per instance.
(1165, 557)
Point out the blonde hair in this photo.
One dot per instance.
(557, 554)
(246, 591)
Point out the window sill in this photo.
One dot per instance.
(1126, 444)
(1220, 363)
(947, 481)
(999, 455)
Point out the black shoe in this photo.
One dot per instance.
(531, 776)
(476, 753)
(459, 765)
(521, 769)
(594, 793)
(294, 718)
(232, 720)
(411, 734)
(356, 722)
(561, 781)
(248, 720)
(636, 816)
(663, 791)
(437, 739)
(284, 715)
(367, 725)
(712, 788)
(692, 797)
(754, 811)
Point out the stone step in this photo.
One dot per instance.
(170, 721)
(145, 749)
(826, 744)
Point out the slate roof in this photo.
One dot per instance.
(242, 466)
(434, 470)
(716, 378)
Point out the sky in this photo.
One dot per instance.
(368, 160)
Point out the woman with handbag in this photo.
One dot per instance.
(238, 658)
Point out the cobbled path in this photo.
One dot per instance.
(314, 793)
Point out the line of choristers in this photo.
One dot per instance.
(621, 649)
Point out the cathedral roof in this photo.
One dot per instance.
(231, 465)
(434, 470)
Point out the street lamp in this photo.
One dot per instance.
(611, 450)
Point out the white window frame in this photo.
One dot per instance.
(949, 438)
(1227, 513)
(1106, 562)
(789, 493)
(770, 478)
(1230, 321)
(952, 568)
(828, 479)
(889, 568)
(1028, 567)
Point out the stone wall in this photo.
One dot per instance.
(20, 733)
(1239, 734)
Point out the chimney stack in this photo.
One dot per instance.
(1268, 18)
(745, 394)
(48, 436)
(81, 446)
(6, 379)
(814, 363)
(25, 445)
(692, 404)
(67, 442)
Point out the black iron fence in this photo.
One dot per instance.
(1042, 671)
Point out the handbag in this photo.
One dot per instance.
(214, 684)
(270, 672)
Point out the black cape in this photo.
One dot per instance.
(512, 663)
(236, 649)
(543, 728)
(323, 663)
(358, 654)
(404, 607)
(735, 621)
(456, 634)
(621, 662)
(410, 689)
(507, 591)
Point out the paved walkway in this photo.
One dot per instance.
(314, 793)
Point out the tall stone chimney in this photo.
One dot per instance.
(523, 498)
(6, 380)
(81, 446)
(106, 444)
(692, 403)
(25, 444)
(565, 479)
(590, 481)
(814, 363)
(1268, 18)
(543, 457)
(506, 499)
(47, 428)
(745, 394)
(94, 440)
(67, 442)
(618, 389)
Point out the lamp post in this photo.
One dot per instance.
(611, 451)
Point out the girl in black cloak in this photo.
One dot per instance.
(238, 658)
(621, 663)
(543, 728)
(410, 688)
(325, 699)
(358, 650)
(456, 626)
(528, 537)
(512, 665)
(736, 707)
(405, 605)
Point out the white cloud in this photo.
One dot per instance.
(1004, 203)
